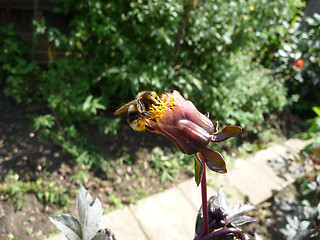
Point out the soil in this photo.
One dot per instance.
(33, 157)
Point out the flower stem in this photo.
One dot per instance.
(204, 199)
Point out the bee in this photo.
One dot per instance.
(138, 110)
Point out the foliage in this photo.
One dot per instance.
(209, 50)
(87, 227)
(45, 192)
(297, 62)
(17, 70)
(167, 165)
(303, 215)
(254, 96)
(314, 123)
(224, 220)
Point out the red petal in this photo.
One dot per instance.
(214, 160)
(194, 133)
(227, 132)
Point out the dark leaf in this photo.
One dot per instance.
(227, 132)
(214, 160)
(104, 234)
(236, 214)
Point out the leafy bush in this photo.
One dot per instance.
(160, 45)
(298, 63)
(17, 70)
(210, 51)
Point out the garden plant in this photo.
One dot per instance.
(171, 115)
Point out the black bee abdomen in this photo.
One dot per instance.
(133, 114)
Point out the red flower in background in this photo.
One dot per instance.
(299, 63)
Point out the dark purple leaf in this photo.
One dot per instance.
(214, 160)
(227, 132)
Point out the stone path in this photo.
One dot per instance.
(171, 214)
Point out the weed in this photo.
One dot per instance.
(45, 192)
(115, 201)
(168, 165)
(140, 193)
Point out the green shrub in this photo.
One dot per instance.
(141, 48)
(302, 44)
(209, 50)
(17, 70)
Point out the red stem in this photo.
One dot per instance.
(204, 199)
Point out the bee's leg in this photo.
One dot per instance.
(147, 113)
(155, 100)
(140, 106)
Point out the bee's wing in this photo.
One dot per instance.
(124, 108)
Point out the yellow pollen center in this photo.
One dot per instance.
(157, 108)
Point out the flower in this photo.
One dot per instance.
(299, 64)
(191, 131)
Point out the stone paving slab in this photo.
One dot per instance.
(171, 214)
(256, 179)
(214, 181)
(124, 225)
(257, 185)
(167, 215)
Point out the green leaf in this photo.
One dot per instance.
(87, 103)
(198, 169)
(316, 110)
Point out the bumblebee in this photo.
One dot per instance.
(138, 110)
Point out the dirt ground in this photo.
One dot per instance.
(31, 158)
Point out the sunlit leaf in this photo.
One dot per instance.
(68, 225)
(198, 169)
(90, 213)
